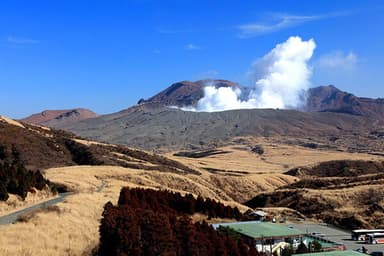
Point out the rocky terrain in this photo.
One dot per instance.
(172, 129)
(332, 119)
(319, 99)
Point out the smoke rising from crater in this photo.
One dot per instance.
(282, 76)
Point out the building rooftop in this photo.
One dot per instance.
(334, 253)
(256, 229)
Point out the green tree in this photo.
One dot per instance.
(3, 193)
(316, 246)
(288, 251)
(302, 248)
(229, 232)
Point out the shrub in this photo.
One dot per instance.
(258, 149)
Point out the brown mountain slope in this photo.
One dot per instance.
(331, 99)
(319, 99)
(55, 118)
(164, 128)
(40, 148)
(185, 93)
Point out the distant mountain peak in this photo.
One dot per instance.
(326, 98)
(185, 93)
(331, 99)
(56, 118)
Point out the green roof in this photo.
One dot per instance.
(262, 229)
(334, 253)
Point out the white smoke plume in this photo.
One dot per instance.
(282, 76)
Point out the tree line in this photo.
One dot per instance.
(14, 176)
(150, 222)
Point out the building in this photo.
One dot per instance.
(266, 236)
(272, 238)
(333, 253)
(258, 215)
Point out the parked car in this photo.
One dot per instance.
(318, 234)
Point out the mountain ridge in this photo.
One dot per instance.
(56, 118)
(154, 124)
(331, 99)
(185, 93)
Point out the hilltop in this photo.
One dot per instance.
(57, 118)
(185, 93)
(330, 99)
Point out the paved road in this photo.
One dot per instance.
(12, 217)
(336, 235)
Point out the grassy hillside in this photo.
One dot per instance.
(346, 193)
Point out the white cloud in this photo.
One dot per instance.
(338, 59)
(277, 21)
(282, 76)
(21, 40)
(192, 47)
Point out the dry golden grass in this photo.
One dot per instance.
(347, 198)
(11, 121)
(73, 228)
(91, 142)
(277, 158)
(14, 202)
(71, 231)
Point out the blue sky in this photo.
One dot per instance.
(106, 55)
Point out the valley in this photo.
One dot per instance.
(314, 166)
(191, 128)
(71, 227)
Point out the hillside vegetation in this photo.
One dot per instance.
(149, 222)
(16, 179)
(345, 193)
(41, 148)
(72, 228)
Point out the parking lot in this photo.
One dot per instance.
(336, 235)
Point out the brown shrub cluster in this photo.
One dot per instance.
(293, 199)
(149, 222)
(340, 168)
(15, 178)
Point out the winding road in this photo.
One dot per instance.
(12, 217)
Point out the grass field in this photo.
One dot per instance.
(71, 228)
